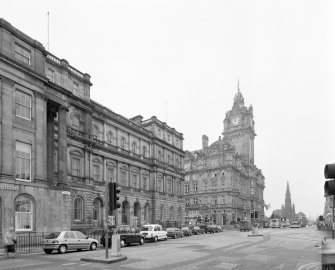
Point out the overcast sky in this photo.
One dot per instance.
(181, 60)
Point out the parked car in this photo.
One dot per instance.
(285, 224)
(266, 224)
(174, 233)
(245, 225)
(128, 235)
(68, 240)
(207, 228)
(196, 230)
(186, 231)
(153, 232)
(219, 228)
(212, 229)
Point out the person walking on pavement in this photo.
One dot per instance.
(10, 241)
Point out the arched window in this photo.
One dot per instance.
(96, 210)
(144, 151)
(23, 213)
(133, 147)
(78, 208)
(171, 213)
(110, 137)
(123, 143)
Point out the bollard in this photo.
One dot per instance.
(328, 254)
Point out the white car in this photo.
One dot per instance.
(68, 240)
(153, 232)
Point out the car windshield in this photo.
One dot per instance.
(170, 229)
(53, 235)
(146, 228)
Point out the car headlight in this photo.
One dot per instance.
(55, 242)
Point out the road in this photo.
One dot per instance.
(282, 249)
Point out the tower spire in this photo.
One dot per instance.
(238, 84)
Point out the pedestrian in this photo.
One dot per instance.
(10, 242)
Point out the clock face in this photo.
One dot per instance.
(235, 120)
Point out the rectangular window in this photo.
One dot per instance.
(23, 221)
(178, 190)
(134, 180)
(22, 54)
(23, 105)
(187, 188)
(75, 88)
(123, 178)
(96, 172)
(76, 167)
(23, 161)
(110, 173)
(195, 187)
(145, 184)
(169, 188)
(50, 75)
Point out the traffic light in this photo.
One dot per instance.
(252, 214)
(329, 173)
(256, 214)
(114, 198)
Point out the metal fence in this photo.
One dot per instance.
(29, 242)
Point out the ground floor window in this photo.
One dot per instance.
(78, 209)
(23, 214)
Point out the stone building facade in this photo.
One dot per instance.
(59, 149)
(222, 183)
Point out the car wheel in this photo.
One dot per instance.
(123, 243)
(182, 236)
(48, 251)
(62, 249)
(141, 241)
(165, 238)
(175, 236)
(156, 239)
(93, 246)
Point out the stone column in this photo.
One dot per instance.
(62, 146)
(51, 114)
(41, 137)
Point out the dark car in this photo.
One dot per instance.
(186, 231)
(196, 230)
(245, 225)
(211, 229)
(128, 235)
(174, 233)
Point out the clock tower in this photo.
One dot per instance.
(238, 127)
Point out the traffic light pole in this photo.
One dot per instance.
(106, 219)
(333, 225)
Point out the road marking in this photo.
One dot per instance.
(68, 263)
(85, 264)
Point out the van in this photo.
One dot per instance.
(245, 225)
(153, 232)
(275, 223)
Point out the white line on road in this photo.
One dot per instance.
(85, 264)
(68, 263)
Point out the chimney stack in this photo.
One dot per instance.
(204, 141)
